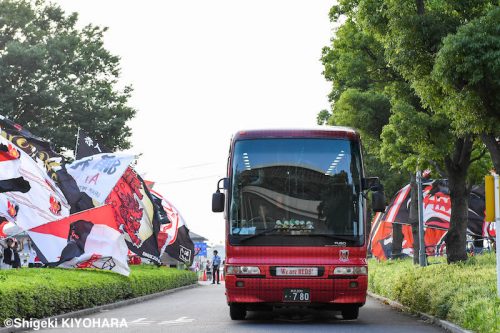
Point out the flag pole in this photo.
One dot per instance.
(77, 138)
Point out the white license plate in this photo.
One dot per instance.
(296, 271)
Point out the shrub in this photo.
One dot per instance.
(462, 293)
(44, 292)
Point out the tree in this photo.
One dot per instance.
(55, 77)
(412, 34)
(468, 69)
(418, 132)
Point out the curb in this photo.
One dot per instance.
(96, 309)
(431, 319)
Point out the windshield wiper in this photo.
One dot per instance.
(339, 237)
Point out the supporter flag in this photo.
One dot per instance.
(132, 204)
(96, 175)
(89, 239)
(137, 215)
(41, 152)
(10, 178)
(8, 229)
(437, 213)
(87, 146)
(174, 237)
(43, 203)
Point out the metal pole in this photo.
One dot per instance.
(497, 223)
(422, 260)
(77, 138)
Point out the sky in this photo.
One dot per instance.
(202, 70)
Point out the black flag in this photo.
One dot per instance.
(88, 146)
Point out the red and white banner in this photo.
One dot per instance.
(42, 203)
(173, 237)
(98, 174)
(10, 178)
(90, 239)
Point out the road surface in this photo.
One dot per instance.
(203, 309)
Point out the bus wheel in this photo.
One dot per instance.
(350, 312)
(237, 311)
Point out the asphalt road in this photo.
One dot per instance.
(203, 309)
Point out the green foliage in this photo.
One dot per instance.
(468, 68)
(357, 109)
(360, 77)
(43, 292)
(461, 293)
(55, 77)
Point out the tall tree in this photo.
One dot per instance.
(468, 70)
(55, 77)
(412, 36)
(418, 131)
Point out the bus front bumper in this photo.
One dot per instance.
(323, 291)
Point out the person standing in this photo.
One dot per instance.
(10, 255)
(216, 266)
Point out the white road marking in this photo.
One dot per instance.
(141, 322)
(177, 321)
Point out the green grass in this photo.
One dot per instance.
(461, 293)
(44, 292)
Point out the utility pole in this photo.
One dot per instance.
(422, 260)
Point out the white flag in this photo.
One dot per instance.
(96, 175)
(42, 203)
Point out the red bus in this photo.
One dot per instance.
(295, 211)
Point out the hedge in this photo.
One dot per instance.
(463, 293)
(44, 292)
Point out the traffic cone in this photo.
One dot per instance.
(204, 276)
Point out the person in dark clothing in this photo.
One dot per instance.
(10, 255)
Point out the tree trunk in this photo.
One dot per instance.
(420, 7)
(493, 146)
(413, 217)
(397, 240)
(457, 165)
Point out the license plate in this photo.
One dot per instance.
(296, 271)
(297, 295)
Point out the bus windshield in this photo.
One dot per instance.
(296, 192)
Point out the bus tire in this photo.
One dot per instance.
(237, 311)
(350, 312)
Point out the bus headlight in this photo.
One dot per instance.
(243, 270)
(354, 270)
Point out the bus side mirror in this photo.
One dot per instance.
(218, 200)
(370, 183)
(378, 201)
(378, 197)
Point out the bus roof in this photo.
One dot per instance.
(333, 132)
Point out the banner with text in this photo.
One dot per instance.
(98, 174)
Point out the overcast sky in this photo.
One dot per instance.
(201, 70)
